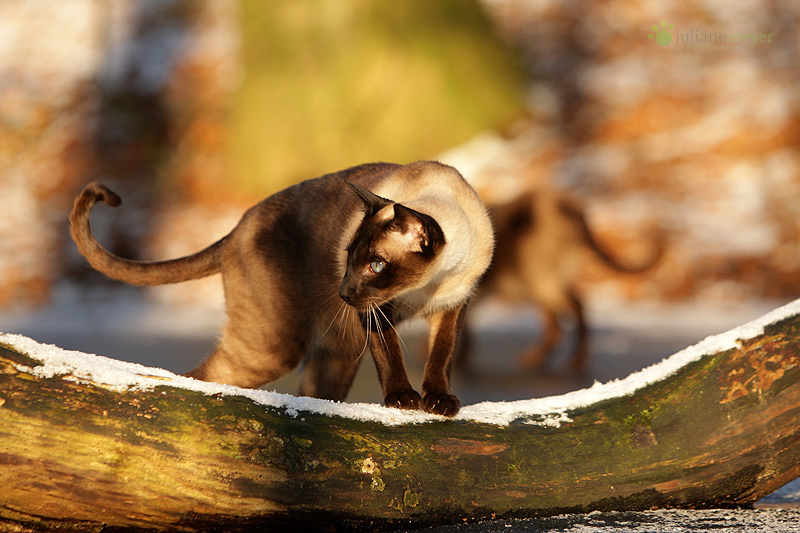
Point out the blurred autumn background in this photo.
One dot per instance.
(193, 111)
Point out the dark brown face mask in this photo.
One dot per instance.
(389, 253)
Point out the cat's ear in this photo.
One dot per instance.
(372, 201)
(422, 233)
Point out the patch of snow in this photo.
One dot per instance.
(121, 376)
(550, 411)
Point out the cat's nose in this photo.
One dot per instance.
(346, 293)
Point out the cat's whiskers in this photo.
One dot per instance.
(335, 294)
(345, 314)
(344, 321)
(366, 337)
(337, 314)
(373, 308)
(394, 303)
(392, 325)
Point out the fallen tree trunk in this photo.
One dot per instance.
(84, 447)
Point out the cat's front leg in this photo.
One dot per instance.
(445, 328)
(388, 356)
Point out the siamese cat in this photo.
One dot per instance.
(321, 271)
(541, 237)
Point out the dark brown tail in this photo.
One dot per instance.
(604, 256)
(203, 263)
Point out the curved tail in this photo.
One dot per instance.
(604, 256)
(203, 263)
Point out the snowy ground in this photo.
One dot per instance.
(626, 338)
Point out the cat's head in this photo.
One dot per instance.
(391, 252)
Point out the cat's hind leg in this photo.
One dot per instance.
(249, 361)
(328, 373)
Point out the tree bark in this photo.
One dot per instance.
(722, 431)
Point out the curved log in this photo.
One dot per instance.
(88, 443)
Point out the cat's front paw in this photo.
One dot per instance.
(441, 404)
(404, 399)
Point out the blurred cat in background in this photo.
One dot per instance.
(541, 238)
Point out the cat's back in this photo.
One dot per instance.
(318, 204)
(409, 184)
(325, 208)
(430, 180)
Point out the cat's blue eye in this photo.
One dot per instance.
(377, 266)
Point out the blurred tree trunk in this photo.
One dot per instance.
(721, 431)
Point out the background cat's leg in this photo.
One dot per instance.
(388, 357)
(580, 356)
(328, 374)
(535, 357)
(445, 327)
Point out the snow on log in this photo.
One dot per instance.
(88, 443)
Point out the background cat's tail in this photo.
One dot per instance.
(607, 258)
(203, 263)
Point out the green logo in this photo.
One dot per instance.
(661, 34)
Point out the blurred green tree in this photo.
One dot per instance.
(329, 84)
